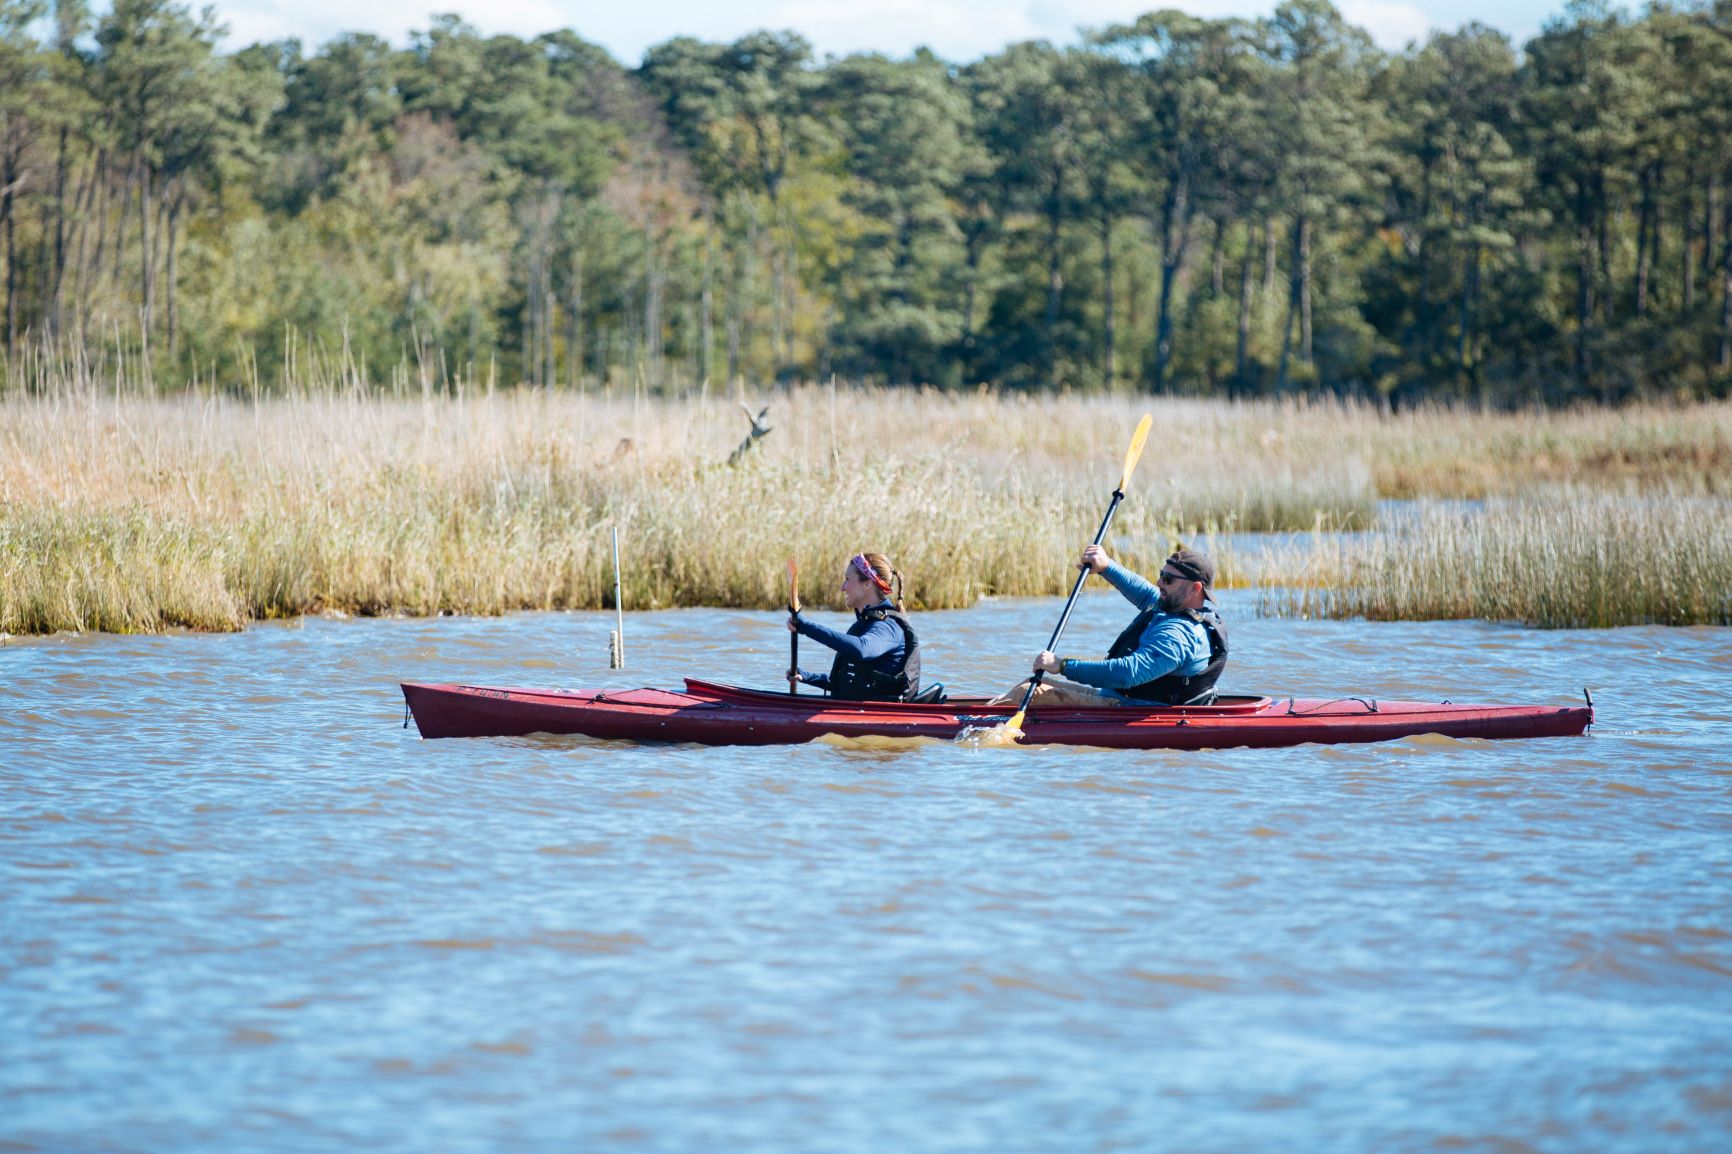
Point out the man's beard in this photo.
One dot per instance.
(1172, 601)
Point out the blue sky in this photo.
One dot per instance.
(956, 29)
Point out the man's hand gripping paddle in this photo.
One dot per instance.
(1013, 728)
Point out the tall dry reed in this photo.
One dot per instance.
(136, 515)
(131, 513)
(1581, 561)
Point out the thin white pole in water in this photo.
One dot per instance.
(616, 643)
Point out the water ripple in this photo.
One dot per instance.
(241, 907)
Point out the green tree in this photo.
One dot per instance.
(1459, 199)
(1106, 150)
(899, 124)
(338, 105)
(1029, 124)
(523, 102)
(746, 111)
(156, 71)
(1579, 95)
(1328, 130)
(982, 199)
(24, 76)
(1192, 94)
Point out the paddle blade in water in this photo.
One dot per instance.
(1011, 730)
(991, 736)
(1135, 451)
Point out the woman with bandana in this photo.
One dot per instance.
(878, 658)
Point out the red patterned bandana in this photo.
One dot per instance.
(865, 570)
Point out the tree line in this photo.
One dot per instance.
(1231, 207)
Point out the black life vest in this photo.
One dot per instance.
(1175, 689)
(854, 680)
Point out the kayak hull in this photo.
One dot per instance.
(711, 714)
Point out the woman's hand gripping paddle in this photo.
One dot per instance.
(1013, 728)
(793, 638)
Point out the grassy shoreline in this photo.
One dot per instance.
(1581, 561)
(131, 514)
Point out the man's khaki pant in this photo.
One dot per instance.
(1057, 693)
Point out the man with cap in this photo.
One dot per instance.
(1172, 653)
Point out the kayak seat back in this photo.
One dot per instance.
(932, 695)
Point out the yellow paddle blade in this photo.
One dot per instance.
(995, 736)
(1135, 451)
(793, 584)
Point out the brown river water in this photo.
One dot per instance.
(243, 908)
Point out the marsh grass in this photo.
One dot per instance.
(202, 510)
(1564, 561)
(205, 512)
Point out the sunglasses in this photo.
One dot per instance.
(1171, 578)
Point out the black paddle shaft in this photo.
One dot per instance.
(794, 663)
(1070, 603)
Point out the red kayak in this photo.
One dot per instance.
(723, 715)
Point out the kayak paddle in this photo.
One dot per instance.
(1013, 728)
(793, 638)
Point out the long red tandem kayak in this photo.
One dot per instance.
(724, 715)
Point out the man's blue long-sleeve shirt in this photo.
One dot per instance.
(879, 645)
(1170, 644)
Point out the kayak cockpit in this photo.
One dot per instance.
(1232, 705)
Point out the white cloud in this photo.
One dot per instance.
(957, 30)
(316, 21)
(896, 27)
(1391, 23)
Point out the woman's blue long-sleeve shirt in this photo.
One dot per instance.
(879, 644)
(1170, 644)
